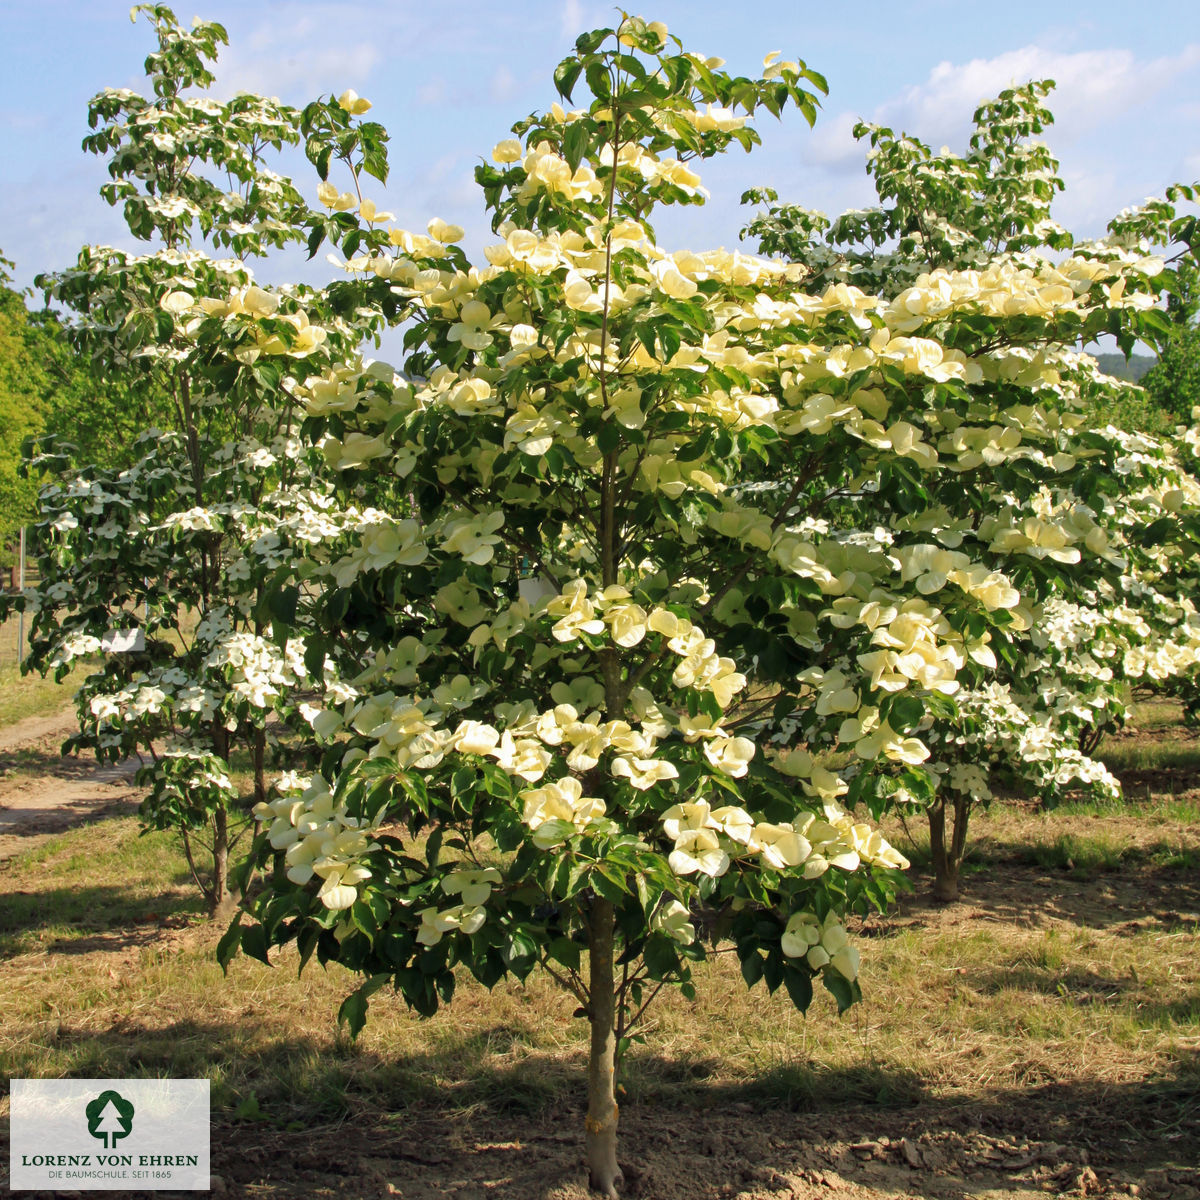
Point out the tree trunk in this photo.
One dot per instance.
(603, 1172)
(948, 858)
(222, 900)
(260, 757)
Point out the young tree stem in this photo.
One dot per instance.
(603, 1172)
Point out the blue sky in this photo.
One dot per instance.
(447, 79)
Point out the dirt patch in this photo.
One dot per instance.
(1010, 1147)
(43, 793)
(35, 730)
(733, 1150)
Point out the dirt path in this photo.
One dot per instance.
(35, 730)
(42, 793)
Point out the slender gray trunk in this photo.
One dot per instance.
(260, 759)
(603, 1172)
(222, 900)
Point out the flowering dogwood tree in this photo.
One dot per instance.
(605, 652)
(1035, 487)
(168, 558)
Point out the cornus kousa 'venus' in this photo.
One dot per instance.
(650, 566)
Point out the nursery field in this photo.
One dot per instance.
(1042, 1036)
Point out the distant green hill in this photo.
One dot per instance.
(1118, 366)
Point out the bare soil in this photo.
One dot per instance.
(43, 793)
(1006, 1147)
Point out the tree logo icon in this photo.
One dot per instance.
(109, 1117)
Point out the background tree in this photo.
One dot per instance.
(1174, 380)
(936, 209)
(24, 395)
(1020, 499)
(155, 552)
(47, 389)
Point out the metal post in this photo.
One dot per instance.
(21, 586)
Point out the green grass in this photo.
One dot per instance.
(1183, 809)
(90, 882)
(1082, 854)
(1141, 755)
(1155, 740)
(1085, 840)
(31, 695)
(1157, 714)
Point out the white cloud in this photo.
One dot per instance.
(49, 214)
(22, 122)
(296, 73)
(434, 94)
(298, 53)
(832, 143)
(1093, 87)
(1086, 203)
(576, 17)
(571, 23)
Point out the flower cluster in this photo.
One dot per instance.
(319, 838)
(822, 944)
(707, 840)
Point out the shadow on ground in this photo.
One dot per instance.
(89, 918)
(292, 1119)
(1140, 896)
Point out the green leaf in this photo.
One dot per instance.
(840, 988)
(816, 79)
(254, 943)
(608, 885)
(565, 951)
(588, 43)
(565, 75)
(773, 970)
(575, 142)
(798, 983)
(905, 713)
(353, 1011)
(660, 956)
(315, 238)
(697, 448)
(598, 81)
(752, 968)
(608, 437)
(678, 70)
(283, 604)
(230, 942)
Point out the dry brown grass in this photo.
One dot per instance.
(109, 972)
